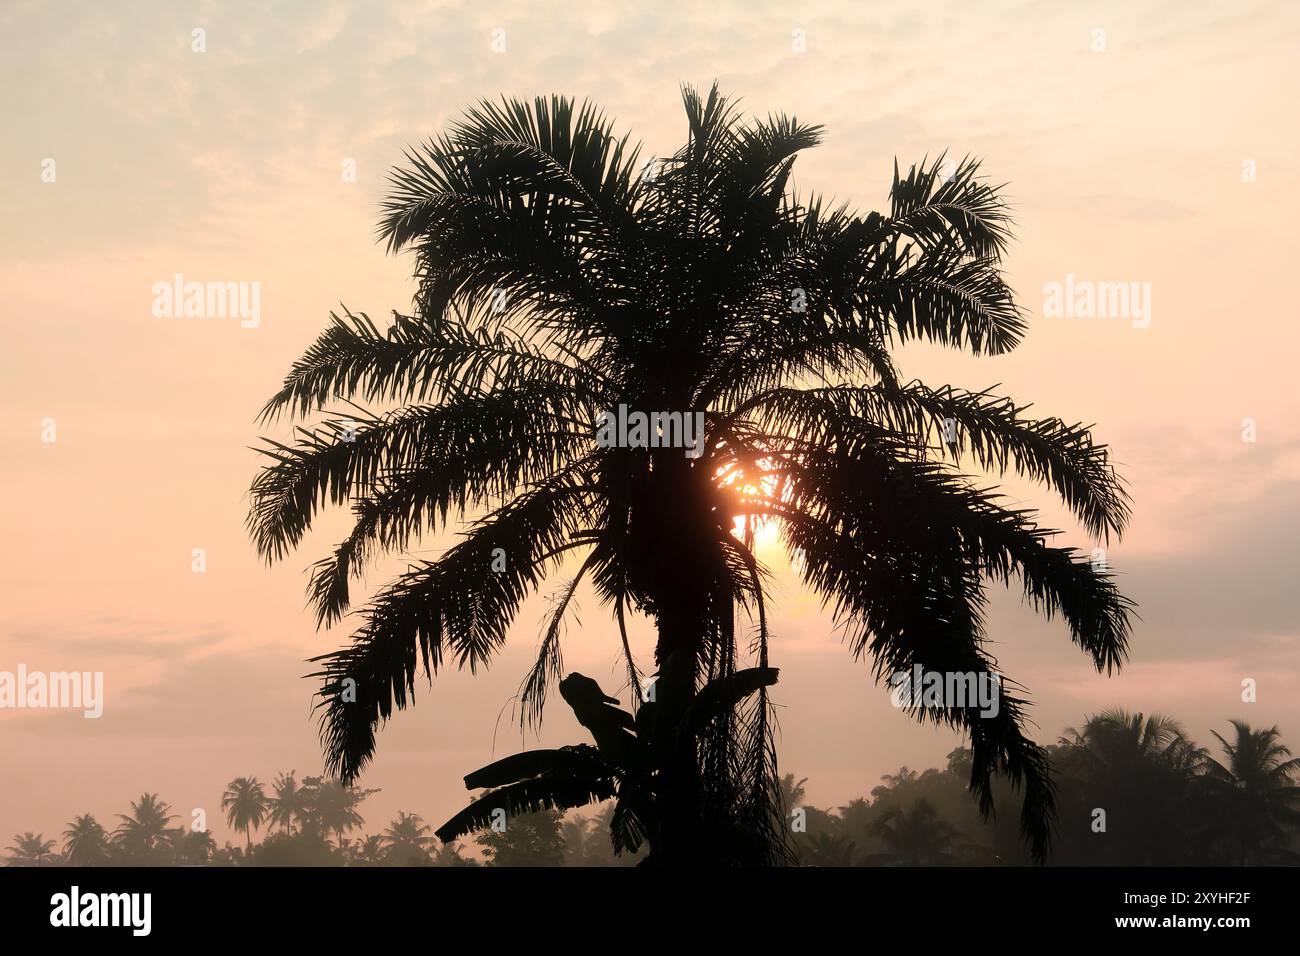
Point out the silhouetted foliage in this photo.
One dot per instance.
(528, 839)
(1167, 801)
(559, 279)
(629, 750)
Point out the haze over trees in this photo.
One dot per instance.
(1167, 801)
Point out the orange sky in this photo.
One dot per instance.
(1124, 165)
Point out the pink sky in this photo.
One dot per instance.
(1124, 165)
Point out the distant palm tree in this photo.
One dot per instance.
(332, 806)
(1120, 737)
(563, 282)
(915, 837)
(370, 851)
(288, 802)
(1141, 771)
(144, 831)
(245, 804)
(1254, 796)
(407, 840)
(904, 776)
(792, 792)
(85, 842)
(31, 849)
(192, 847)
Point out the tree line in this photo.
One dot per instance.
(1132, 790)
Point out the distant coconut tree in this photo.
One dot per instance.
(85, 842)
(31, 849)
(914, 836)
(1254, 795)
(288, 802)
(332, 807)
(144, 832)
(246, 806)
(407, 840)
(1141, 770)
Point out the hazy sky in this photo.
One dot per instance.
(1126, 133)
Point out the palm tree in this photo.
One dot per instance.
(288, 802)
(563, 282)
(1141, 770)
(892, 781)
(245, 804)
(192, 847)
(369, 852)
(1124, 737)
(144, 831)
(407, 841)
(792, 792)
(1254, 797)
(332, 806)
(31, 849)
(915, 837)
(85, 842)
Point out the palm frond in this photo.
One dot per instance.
(549, 791)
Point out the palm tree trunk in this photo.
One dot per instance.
(679, 791)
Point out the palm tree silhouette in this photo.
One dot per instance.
(1254, 796)
(560, 279)
(288, 802)
(370, 851)
(31, 849)
(915, 837)
(85, 842)
(792, 792)
(144, 831)
(407, 840)
(332, 806)
(1141, 771)
(245, 804)
(192, 847)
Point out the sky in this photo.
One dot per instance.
(1144, 143)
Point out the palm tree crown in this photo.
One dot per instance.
(245, 804)
(1255, 793)
(562, 279)
(288, 802)
(145, 829)
(86, 842)
(407, 839)
(30, 849)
